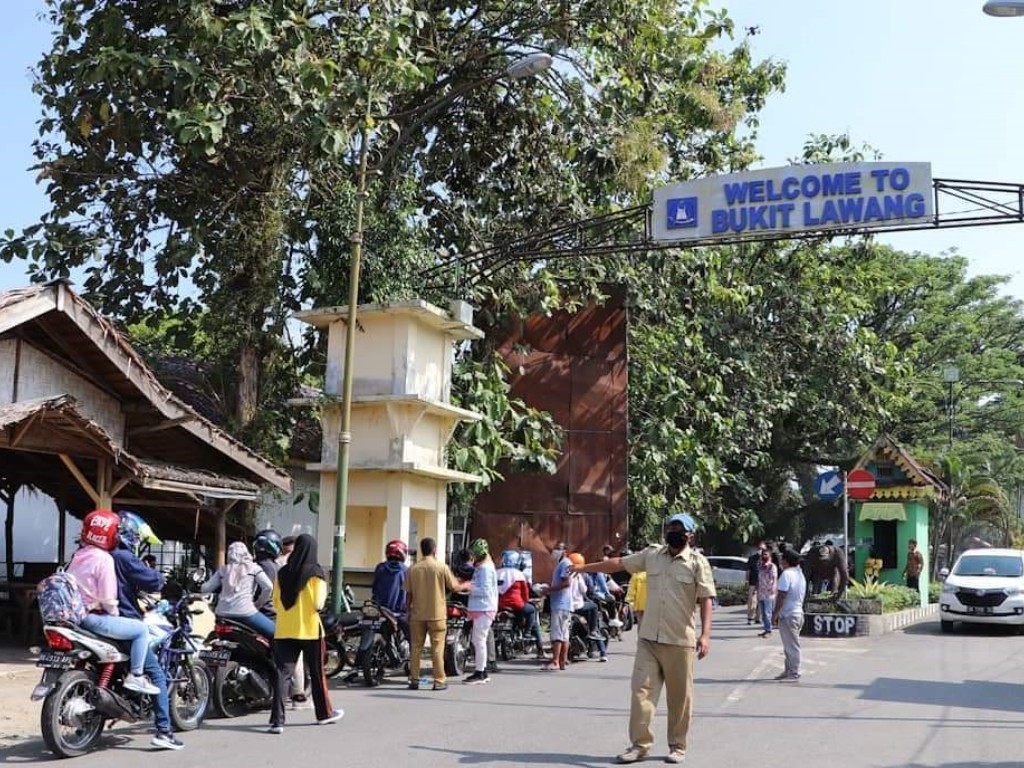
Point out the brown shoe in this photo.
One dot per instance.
(632, 755)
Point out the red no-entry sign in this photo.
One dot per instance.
(860, 484)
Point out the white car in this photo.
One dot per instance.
(986, 586)
(728, 569)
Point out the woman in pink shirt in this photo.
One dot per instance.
(92, 565)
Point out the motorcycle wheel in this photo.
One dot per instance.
(374, 661)
(71, 726)
(189, 696)
(226, 697)
(627, 620)
(335, 656)
(455, 657)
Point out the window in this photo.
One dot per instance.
(885, 543)
(989, 565)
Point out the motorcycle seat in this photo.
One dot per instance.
(121, 645)
(334, 620)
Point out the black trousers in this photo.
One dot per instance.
(286, 655)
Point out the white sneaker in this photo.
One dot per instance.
(334, 717)
(140, 684)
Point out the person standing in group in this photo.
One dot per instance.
(560, 599)
(767, 584)
(788, 615)
(915, 564)
(679, 581)
(237, 581)
(427, 585)
(753, 570)
(483, 605)
(636, 595)
(299, 594)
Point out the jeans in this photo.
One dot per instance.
(589, 612)
(161, 706)
(528, 615)
(767, 606)
(257, 621)
(120, 628)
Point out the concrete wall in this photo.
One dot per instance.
(290, 513)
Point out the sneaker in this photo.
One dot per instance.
(414, 685)
(140, 684)
(676, 754)
(492, 668)
(632, 755)
(603, 659)
(275, 729)
(334, 717)
(595, 636)
(477, 678)
(440, 687)
(166, 741)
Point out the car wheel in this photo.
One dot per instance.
(947, 626)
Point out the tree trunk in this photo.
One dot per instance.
(11, 492)
(247, 399)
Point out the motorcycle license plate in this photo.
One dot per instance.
(370, 623)
(55, 660)
(456, 623)
(215, 658)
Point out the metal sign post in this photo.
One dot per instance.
(846, 529)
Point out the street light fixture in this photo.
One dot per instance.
(520, 69)
(1004, 8)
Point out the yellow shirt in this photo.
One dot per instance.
(636, 595)
(302, 620)
(674, 585)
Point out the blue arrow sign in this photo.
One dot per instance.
(828, 486)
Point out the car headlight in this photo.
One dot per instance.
(1013, 590)
(948, 589)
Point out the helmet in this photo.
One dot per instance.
(134, 532)
(577, 559)
(396, 550)
(267, 544)
(100, 529)
(479, 548)
(511, 558)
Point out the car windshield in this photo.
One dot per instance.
(989, 565)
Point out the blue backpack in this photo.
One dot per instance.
(60, 602)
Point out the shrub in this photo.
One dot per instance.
(732, 594)
(934, 590)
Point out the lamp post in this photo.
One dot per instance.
(951, 375)
(1004, 8)
(520, 69)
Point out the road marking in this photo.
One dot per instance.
(767, 664)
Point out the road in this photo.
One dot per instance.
(913, 699)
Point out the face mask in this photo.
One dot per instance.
(556, 554)
(675, 539)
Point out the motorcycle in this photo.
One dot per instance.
(242, 664)
(83, 674)
(579, 637)
(383, 645)
(510, 639)
(616, 616)
(458, 648)
(342, 634)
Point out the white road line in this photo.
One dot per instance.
(767, 664)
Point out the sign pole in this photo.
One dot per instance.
(846, 526)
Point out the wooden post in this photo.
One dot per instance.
(104, 472)
(62, 520)
(8, 498)
(221, 541)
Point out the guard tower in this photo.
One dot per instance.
(402, 421)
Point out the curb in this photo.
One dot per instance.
(891, 622)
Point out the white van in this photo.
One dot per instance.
(986, 586)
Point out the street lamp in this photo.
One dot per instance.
(951, 375)
(520, 69)
(1004, 8)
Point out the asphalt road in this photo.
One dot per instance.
(913, 699)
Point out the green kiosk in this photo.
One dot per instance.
(896, 512)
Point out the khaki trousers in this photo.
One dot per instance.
(752, 603)
(418, 631)
(658, 664)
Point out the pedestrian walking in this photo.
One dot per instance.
(788, 615)
(427, 584)
(299, 594)
(678, 581)
(767, 585)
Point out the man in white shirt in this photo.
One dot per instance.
(789, 613)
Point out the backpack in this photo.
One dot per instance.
(60, 602)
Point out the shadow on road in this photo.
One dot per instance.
(467, 757)
(971, 694)
(970, 764)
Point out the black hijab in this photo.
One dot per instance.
(300, 568)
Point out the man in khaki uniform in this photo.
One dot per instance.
(678, 578)
(427, 584)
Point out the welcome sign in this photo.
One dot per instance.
(798, 198)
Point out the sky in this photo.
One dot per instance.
(918, 80)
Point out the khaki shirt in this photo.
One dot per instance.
(428, 583)
(674, 585)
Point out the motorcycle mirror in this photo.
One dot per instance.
(198, 575)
